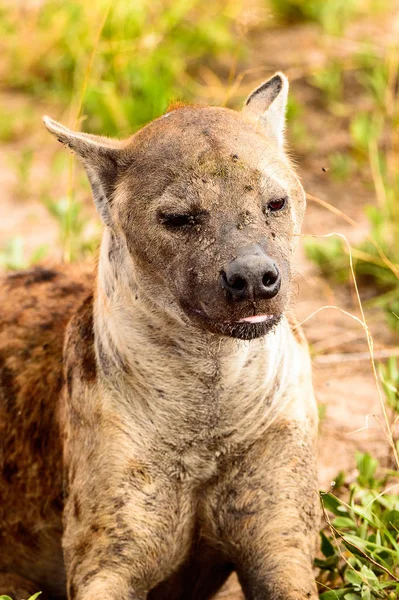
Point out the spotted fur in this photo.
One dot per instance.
(152, 443)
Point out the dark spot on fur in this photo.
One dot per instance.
(71, 289)
(80, 345)
(120, 522)
(8, 392)
(117, 547)
(89, 575)
(242, 512)
(76, 508)
(29, 537)
(119, 502)
(35, 275)
(248, 188)
(234, 157)
(58, 502)
(31, 303)
(273, 235)
(114, 247)
(103, 359)
(72, 591)
(69, 379)
(81, 549)
(110, 359)
(9, 471)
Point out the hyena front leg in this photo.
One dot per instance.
(271, 516)
(124, 537)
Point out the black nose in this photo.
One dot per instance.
(251, 276)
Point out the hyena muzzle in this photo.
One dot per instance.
(158, 423)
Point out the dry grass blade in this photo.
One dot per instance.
(363, 322)
(394, 268)
(355, 356)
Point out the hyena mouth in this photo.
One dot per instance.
(256, 319)
(246, 328)
(249, 330)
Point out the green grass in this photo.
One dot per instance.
(360, 542)
(333, 17)
(374, 152)
(31, 598)
(360, 546)
(73, 227)
(147, 54)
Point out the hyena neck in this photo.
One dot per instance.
(147, 358)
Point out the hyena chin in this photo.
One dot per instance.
(158, 423)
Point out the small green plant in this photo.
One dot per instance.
(364, 130)
(15, 125)
(74, 228)
(341, 166)
(22, 164)
(361, 552)
(389, 376)
(13, 256)
(31, 598)
(330, 257)
(297, 131)
(332, 16)
(330, 81)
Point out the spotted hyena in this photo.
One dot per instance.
(157, 421)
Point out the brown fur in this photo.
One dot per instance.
(160, 439)
(35, 308)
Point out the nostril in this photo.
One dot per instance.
(237, 283)
(269, 278)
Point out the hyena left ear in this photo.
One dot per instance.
(268, 104)
(101, 158)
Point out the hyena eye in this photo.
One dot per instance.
(277, 204)
(177, 221)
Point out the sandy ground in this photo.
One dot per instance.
(344, 384)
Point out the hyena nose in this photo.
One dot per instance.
(251, 276)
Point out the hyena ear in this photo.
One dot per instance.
(268, 104)
(101, 158)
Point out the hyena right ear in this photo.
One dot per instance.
(101, 158)
(267, 104)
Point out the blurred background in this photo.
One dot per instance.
(110, 67)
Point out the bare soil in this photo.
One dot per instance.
(344, 383)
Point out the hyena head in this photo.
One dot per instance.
(206, 207)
